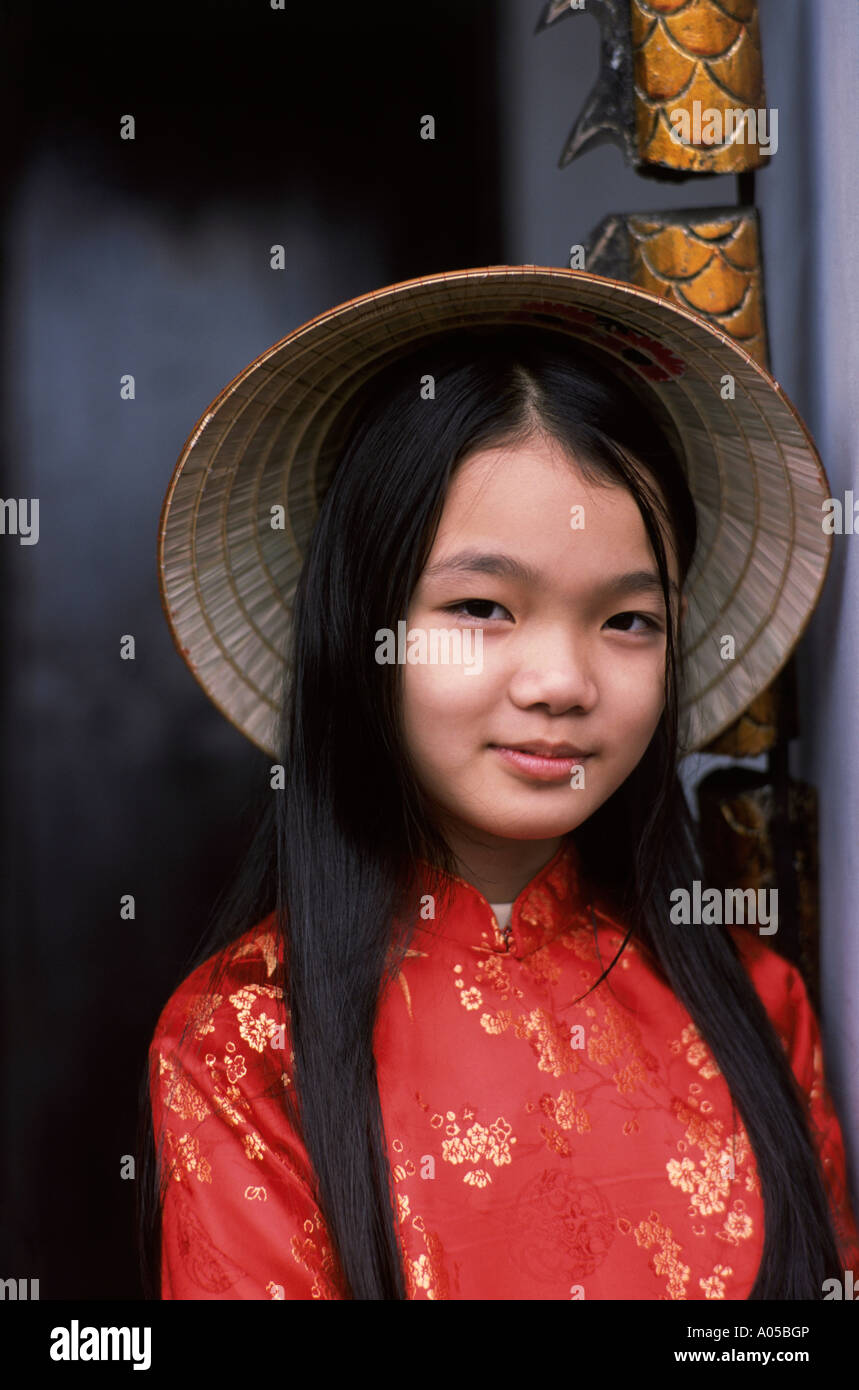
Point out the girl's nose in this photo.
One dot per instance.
(557, 674)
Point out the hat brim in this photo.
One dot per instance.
(227, 578)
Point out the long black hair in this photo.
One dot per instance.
(339, 843)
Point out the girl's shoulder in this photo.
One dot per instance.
(239, 1214)
(225, 996)
(783, 992)
(775, 977)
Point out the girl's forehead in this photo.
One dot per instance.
(526, 485)
(537, 504)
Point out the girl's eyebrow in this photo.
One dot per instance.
(506, 567)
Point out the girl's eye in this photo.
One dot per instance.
(649, 622)
(480, 610)
(479, 603)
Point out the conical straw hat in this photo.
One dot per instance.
(228, 578)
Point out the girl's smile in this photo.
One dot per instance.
(572, 685)
(545, 766)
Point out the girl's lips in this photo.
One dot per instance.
(542, 768)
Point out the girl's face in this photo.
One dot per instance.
(573, 648)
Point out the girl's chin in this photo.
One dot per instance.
(524, 827)
(543, 814)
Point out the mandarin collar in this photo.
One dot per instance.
(555, 900)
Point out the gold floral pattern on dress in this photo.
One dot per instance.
(253, 1145)
(542, 965)
(180, 1093)
(580, 941)
(738, 1225)
(186, 1159)
(630, 1077)
(228, 1100)
(201, 1012)
(491, 975)
(665, 1261)
(706, 1182)
(256, 1030)
(496, 1023)
(312, 1250)
(708, 1179)
(401, 1171)
(698, 1054)
(615, 1035)
(427, 1274)
(714, 1286)
(550, 1044)
(263, 944)
(555, 1141)
(567, 1113)
(422, 1274)
(489, 1144)
(470, 998)
(234, 1064)
(477, 1177)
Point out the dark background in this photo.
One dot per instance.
(151, 257)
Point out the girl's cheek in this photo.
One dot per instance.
(460, 688)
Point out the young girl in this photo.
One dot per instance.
(456, 1047)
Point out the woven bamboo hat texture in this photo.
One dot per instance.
(275, 433)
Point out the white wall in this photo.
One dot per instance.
(831, 751)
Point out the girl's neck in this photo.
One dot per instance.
(500, 871)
